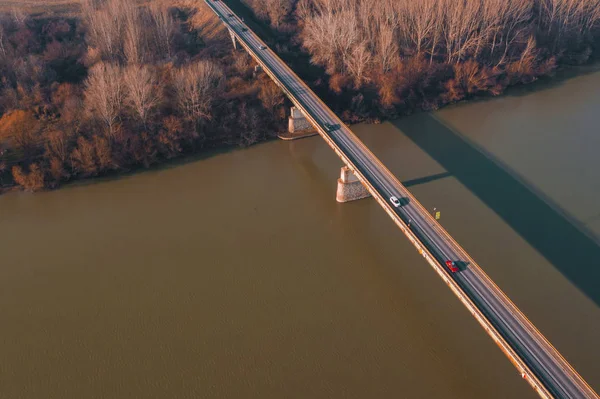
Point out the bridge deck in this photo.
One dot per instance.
(535, 358)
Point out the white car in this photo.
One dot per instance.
(263, 47)
(395, 201)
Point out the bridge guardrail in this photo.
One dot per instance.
(421, 246)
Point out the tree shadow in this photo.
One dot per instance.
(163, 165)
(560, 77)
(426, 179)
(545, 226)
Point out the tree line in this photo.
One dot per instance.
(122, 85)
(391, 56)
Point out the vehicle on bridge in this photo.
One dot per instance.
(330, 128)
(395, 201)
(452, 266)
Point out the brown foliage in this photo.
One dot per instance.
(484, 41)
(196, 86)
(23, 129)
(170, 137)
(82, 157)
(32, 180)
(57, 171)
(270, 95)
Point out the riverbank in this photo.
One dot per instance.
(164, 83)
(391, 59)
(53, 131)
(199, 291)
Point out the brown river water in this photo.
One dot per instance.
(237, 275)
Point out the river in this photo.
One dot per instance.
(237, 275)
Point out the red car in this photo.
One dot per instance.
(452, 266)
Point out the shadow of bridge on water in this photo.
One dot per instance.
(563, 241)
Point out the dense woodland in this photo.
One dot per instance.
(130, 83)
(118, 87)
(390, 57)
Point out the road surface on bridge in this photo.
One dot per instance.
(537, 360)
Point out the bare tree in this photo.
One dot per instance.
(2, 38)
(164, 27)
(142, 91)
(19, 16)
(358, 62)
(387, 49)
(271, 96)
(278, 10)
(196, 87)
(104, 26)
(134, 44)
(57, 145)
(104, 93)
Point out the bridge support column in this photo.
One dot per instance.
(298, 126)
(298, 123)
(349, 187)
(233, 39)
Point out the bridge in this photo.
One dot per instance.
(550, 375)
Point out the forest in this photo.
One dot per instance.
(121, 86)
(392, 57)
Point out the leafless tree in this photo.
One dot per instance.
(387, 49)
(105, 26)
(18, 16)
(271, 96)
(57, 145)
(134, 43)
(278, 10)
(196, 86)
(104, 93)
(164, 27)
(357, 63)
(2, 38)
(141, 91)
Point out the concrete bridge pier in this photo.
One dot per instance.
(233, 39)
(349, 187)
(297, 123)
(298, 126)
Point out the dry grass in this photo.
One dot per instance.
(207, 23)
(42, 7)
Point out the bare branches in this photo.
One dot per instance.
(142, 92)
(196, 85)
(105, 26)
(338, 33)
(124, 31)
(2, 38)
(358, 62)
(104, 93)
(134, 43)
(275, 10)
(164, 27)
(18, 16)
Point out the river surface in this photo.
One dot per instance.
(237, 275)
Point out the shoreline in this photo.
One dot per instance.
(562, 74)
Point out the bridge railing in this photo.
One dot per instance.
(421, 245)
